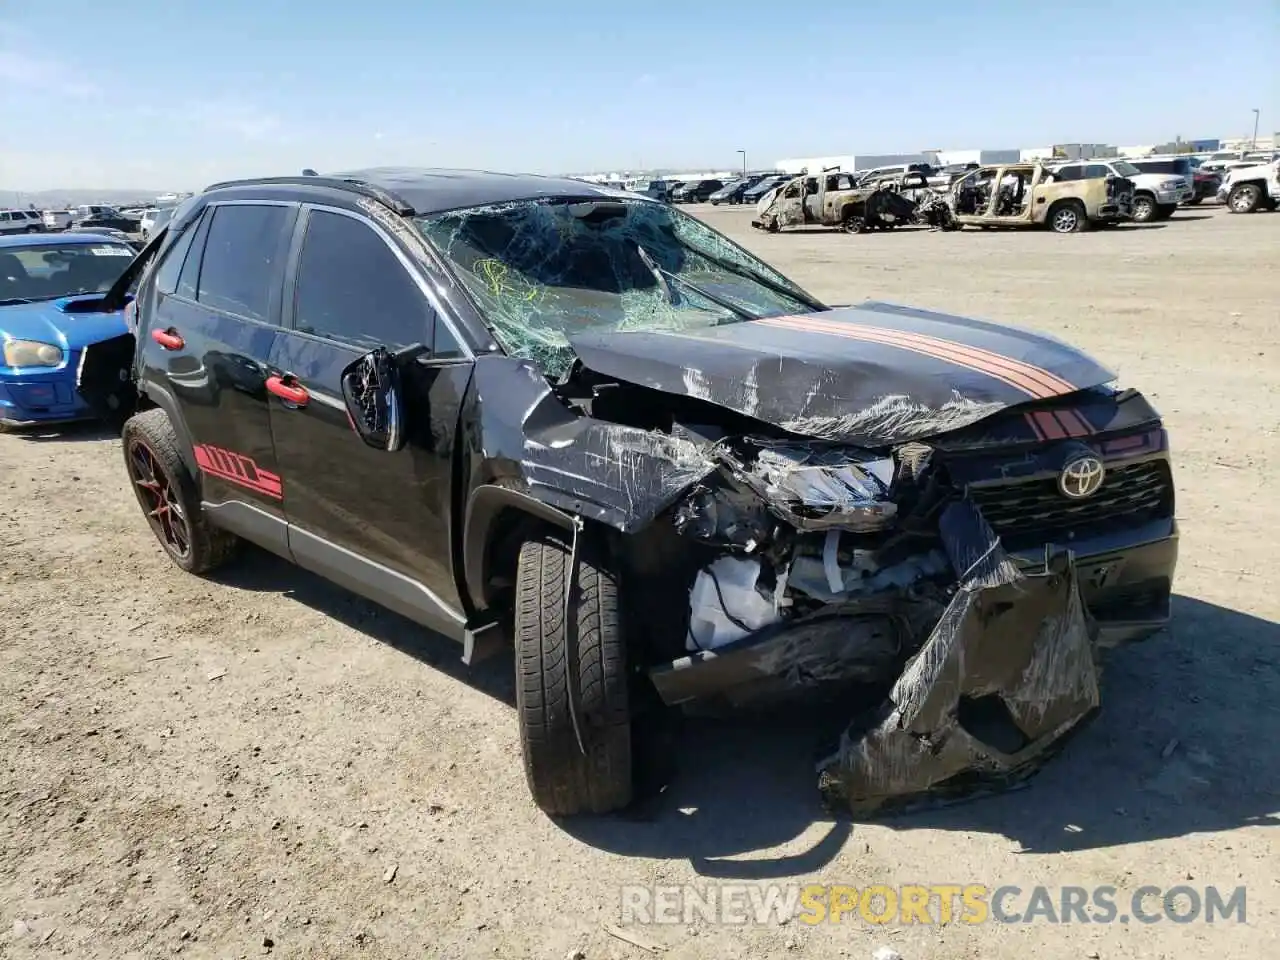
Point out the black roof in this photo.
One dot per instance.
(428, 190)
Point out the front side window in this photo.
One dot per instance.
(171, 267)
(542, 271)
(353, 288)
(239, 269)
(1124, 168)
(52, 270)
(1095, 171)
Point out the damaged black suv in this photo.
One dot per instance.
(532, 408)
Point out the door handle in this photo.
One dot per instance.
(287, 388)
(168, 339)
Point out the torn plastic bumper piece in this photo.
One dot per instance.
(832, 647)
(1005, 675)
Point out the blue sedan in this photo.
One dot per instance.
(43, 277)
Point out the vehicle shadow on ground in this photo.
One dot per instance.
(1183, 744)
(79, 432)
(1186, 217)
(262, 572)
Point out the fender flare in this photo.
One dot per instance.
(485, 504)
(167, 402)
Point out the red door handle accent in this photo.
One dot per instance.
(169, 339)
(287, 388)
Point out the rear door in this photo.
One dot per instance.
(214, 317)
(373, 520)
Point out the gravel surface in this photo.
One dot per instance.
(263, 764)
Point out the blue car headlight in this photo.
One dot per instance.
(31, 353)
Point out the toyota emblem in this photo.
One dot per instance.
(1081, 477)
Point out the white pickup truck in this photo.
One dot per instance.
(1255, 187)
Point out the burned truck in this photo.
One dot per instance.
(536, 410)
(842, 201)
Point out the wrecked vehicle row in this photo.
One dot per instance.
(595, 425)
(1065, 199)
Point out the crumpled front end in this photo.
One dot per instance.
(858, 579)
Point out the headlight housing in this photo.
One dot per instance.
(31, 353)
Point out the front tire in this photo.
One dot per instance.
(553, 650)
(167, 493)
(1144, 208)
(1244, 198)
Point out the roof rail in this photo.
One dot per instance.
(350, 184)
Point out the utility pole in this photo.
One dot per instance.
(744, 158)
(1254, 143)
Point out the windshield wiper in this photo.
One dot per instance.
(658, 275)
(719, 301)
(744, 271)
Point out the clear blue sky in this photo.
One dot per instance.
(171, 93)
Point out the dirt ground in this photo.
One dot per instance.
(263, 764)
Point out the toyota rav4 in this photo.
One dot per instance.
(535, 410)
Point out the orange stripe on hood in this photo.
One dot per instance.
(986, 359)
(1040, 384)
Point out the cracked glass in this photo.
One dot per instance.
(542, 271)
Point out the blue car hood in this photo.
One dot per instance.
(48, 322)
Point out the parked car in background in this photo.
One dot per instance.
(97, 217)
(43, 333)
(732, 191)
(771, 182)
(1248, 188)
(696, 191)
(56, 219)
(21, 221)
(944, 177)
(152, 220)
(893, 170)
(1066, 199)
(1155, 195)
(131, 239)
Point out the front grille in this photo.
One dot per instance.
(1035, 511)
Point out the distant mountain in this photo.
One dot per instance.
(58, 199)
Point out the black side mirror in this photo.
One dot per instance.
(371, 389)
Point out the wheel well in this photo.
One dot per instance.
(510, 528)
(1144, 193)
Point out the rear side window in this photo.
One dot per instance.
(239, 269)
(1069, 173)
(352, 288)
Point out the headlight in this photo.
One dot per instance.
(31, 353)
(1170, 184)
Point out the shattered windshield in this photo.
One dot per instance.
(543, 271)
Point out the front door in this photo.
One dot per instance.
(215, 318)
(374, 520)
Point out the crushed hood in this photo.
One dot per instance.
(869, 375)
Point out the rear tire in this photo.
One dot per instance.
(1068, 216)
(561, 778)
(167, 493)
